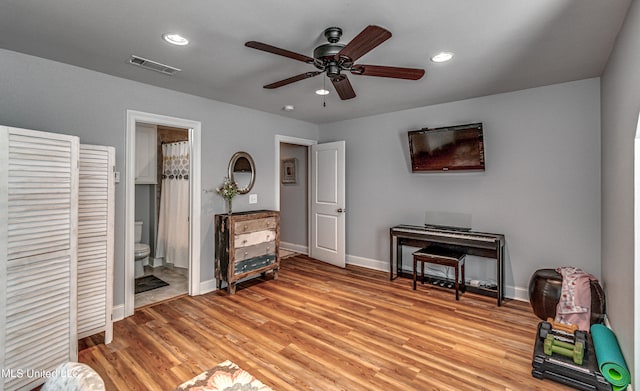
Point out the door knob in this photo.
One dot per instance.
(340, 210)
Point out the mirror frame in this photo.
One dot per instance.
(232, 163)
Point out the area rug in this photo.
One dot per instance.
(225, 376)
(148, 283)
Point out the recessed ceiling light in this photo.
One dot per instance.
(288, 108)
(322, 92)
(442, 57)
(175, 39)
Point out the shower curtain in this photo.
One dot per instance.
(173, 224)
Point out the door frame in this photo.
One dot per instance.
(636, 253)
(276, 186)
(195, 128)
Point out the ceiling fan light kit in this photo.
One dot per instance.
(335, 59)
(175, 39)
(442, 57)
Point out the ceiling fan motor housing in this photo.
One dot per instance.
(325, 55)
(327, 51)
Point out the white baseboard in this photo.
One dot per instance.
(516, 293)
(606, 321)
(368, 263)
(510, 292)
(156, 262)
(207, 286)
(117, 312)
(299, 248)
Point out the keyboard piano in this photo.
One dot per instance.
(481, 244)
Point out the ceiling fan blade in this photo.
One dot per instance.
(281, 52)
(292, 79)
(343, 87)
(383, 71)
(364, 42)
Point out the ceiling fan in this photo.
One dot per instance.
(333, 58)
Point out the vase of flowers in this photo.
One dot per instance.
(228, 190)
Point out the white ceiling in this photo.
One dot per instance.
(500, 46)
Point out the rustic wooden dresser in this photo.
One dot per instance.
(246, 243)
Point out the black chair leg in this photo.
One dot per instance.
(415, 272)
(455, 284)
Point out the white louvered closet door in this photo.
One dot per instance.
(38, 244)
(95, 240)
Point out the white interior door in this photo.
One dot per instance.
(328, 203)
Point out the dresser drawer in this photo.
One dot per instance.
(253, 238)
(256, 250)
(242, 227)
(252, 264)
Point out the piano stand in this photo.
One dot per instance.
(480, 244)
(440, 256)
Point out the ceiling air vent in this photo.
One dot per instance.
(154, 66)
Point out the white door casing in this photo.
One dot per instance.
(328, 207)
(289, 140)
(636, 253)
(194, 198)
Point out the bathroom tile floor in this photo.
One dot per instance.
(178, 285)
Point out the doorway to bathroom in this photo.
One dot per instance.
(162, 209)
(161, 246)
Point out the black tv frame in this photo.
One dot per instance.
(478, 163)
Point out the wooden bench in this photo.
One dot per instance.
(440, 256)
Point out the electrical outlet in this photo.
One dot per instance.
(253, 198)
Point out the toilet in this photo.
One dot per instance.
(141, 251)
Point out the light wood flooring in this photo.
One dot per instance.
(318, 327)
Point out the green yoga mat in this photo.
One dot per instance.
(610, 359)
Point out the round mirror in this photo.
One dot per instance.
(242, 171)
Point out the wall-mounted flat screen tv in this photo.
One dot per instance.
(449, 148)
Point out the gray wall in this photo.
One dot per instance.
(541, 187)
(294, 221)
(620, 108)
(50, 96)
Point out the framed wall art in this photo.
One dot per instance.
(288, 174)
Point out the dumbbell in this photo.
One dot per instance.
(566, 328)
(574, 351)
(565, 333)
(558, 329)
